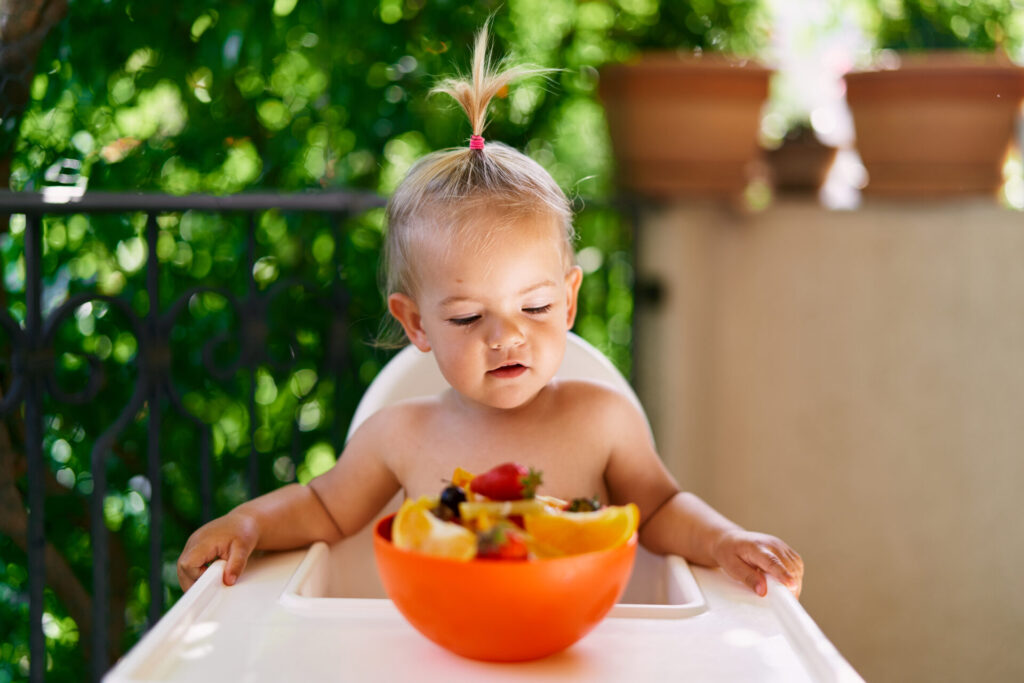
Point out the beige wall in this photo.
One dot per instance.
(854, 383)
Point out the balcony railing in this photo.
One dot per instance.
(35, 375)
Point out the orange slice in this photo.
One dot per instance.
(570, 533)
(416, 528)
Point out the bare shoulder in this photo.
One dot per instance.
(397, 418)
(599, 400)
(586, 389)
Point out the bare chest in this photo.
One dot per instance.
(571, 461)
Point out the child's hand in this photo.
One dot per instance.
(231, 537)
(747, 556)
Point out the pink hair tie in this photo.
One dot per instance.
(476, 142)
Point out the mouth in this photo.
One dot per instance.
(508, 371)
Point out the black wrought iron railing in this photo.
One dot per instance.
(35, 322)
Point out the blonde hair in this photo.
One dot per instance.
(444, 189)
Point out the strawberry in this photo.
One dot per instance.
(503, 541)
(509, 481)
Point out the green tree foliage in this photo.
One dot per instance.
(981, 25)
(293, 95)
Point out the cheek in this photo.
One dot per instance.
(552, 338)
(451, 346)
(457, 363)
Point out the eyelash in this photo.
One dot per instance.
(469, 320)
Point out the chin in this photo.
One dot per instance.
(502, 402)
(509, 400)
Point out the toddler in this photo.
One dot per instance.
(479, 265)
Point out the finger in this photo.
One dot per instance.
(747, 574)
(238, 555)
(795, 565)
(798, 574)
(191, 565)
(184, 580)
(770, 559)
(783, 564)
(188, 571)
(773, 565)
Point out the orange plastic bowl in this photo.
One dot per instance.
(500, 610)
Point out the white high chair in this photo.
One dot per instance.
(413, 373)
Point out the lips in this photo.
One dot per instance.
(508, 371)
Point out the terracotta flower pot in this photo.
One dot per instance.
(684, 125)
(801, 163)
(937, 124)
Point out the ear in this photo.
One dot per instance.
(407, 313)
(572, 286)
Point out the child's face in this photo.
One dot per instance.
(496, 316)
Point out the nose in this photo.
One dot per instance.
(504, 334)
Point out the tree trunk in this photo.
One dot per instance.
(23, 27)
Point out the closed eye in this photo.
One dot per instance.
(537, 310)
(468, 320)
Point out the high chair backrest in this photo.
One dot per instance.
(413, 373)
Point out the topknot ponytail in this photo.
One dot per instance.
(475, 93)
(443, 193)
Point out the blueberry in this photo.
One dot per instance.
(451, 496)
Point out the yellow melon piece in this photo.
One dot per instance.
(470, 510)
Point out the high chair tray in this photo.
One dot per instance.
(246, 633)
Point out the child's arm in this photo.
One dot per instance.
(335, 504)
(687, 526)
(680, 523)
(289, 517)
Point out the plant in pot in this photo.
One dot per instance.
(684, 109)
(936, 113)
(800, 162)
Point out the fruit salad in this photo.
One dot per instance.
(498, 515)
